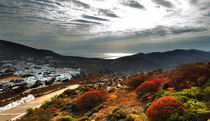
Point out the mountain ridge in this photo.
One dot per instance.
(140, 62)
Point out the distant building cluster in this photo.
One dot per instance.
(32, 75)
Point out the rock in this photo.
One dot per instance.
(119, 85)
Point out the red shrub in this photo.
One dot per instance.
(162, 108)
(90, 99)
(136, 80)
(149, 86)
(188, 74)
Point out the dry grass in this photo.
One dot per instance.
(125, 99)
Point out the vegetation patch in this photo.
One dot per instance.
(90, 99)
(163, 108)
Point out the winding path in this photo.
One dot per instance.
(18, 110)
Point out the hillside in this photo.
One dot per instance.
(140, 62)
(10, 50)
(181, 94)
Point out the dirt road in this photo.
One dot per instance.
(16, 111)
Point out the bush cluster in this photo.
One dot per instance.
(197, 93)
(194, 99)
(190, 116)
(189, 74)
(149, 86)
(117, 114)
(66, 118)
(70, 118)
(90, 99)
(136, 80)
(162, 108)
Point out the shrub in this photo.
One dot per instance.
(66, 118)
(176, 117)
(189, 116)
(194, 105)
(83, 119)
(90, 99)
(54, 102)
(163, 93)
(116, 115)
(163, 108)
(30, 111)
(129, 118)
(206, 93)
(189, 74)
(39, 114)
(149, 86)
(197, 93)
(136, 80)
(69, 93)
(96, 109)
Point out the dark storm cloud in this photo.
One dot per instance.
(164, 3)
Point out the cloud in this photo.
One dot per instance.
(164, 3)
(94, 18)
(108, 13)
(81, 4)
(88, 27)
(186, 30)
(86, 21)
(134, 4)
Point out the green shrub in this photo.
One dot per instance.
(54, 102)
(69, 93)
(163, 93)
(116, 115)
(46, 104)
(193, 92)
(83, 119)
(96, 109)
(197, 93)
(30, 111)
(206, 94)
(44, 119)
(189, 116)
(194, 105)
(207, 84)
(176, 117)
(129, 118)
(66, 118)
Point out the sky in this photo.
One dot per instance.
(106, 28)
